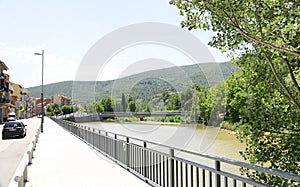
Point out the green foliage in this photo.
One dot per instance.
(56, 109)
(107, 104)
(99, 107)
(131, 104)
(205, 102)
(228, 125)
(172, 119)
(174, 102)
(263, 37)
(66, 109)
(124, 103)
(104, 105)
(218, 104)
(90, 107)
(49, 110)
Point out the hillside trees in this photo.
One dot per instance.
(55, 109)
(263, 37)
(131, 104)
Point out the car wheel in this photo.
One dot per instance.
(3, 137)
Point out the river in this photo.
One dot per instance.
(209, 140)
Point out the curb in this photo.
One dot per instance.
(20, 177)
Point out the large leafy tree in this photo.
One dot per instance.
(107, 104)
(263, 37)
(269, 29)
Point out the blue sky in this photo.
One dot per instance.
(67, 29)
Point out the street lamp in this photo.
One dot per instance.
(42, 92)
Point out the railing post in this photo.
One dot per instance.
(145, 160)
(127, 153)
(105, 143)
(25, 174)
(218, 177)
(171, 168)
(115, 146)
(93, 138)
(29, 157)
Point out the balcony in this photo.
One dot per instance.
(4, 100)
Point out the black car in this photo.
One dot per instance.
(13, 128)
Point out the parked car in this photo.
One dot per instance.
(11, 117)
(13, 129)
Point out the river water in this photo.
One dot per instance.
(209, 140)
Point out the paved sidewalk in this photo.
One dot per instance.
(62, 160)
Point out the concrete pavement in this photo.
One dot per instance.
(62, 160)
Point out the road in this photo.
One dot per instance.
(12, 150)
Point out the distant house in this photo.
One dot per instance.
(39, 105)
(61, 100)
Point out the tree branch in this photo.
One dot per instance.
(292, 74)
(234, 23)
(279, 81)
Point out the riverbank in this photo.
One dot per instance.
(228, 127)
(127, 121)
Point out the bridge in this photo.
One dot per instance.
(140, 115)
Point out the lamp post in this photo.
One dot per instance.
(42, 92)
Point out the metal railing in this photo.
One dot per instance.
(161, 165)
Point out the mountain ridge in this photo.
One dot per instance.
(140, 85)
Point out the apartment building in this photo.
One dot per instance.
(61, 100)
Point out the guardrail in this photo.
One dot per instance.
(21, 175)
(161, 165)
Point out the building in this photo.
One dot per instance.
(5, 90)
(61, 100)
(15, 99)
(26, 103)
(39, 105)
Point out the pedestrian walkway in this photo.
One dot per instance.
(62, 160)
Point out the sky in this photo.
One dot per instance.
(67, 30)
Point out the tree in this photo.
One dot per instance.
(90, 107)
(56, 109)
(99, 107)
(174, 102)
(218, 102)
(235, 88)
(66, 109)
(263, 37)
(195, 110)
(131, 104)
(49, 110)
(123, 103)
(267, 29)
(205, 105)
(165, 97)
(107, 104)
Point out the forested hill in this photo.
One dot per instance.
(143, 84)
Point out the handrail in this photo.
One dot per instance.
(209, 156)
(111, 147)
